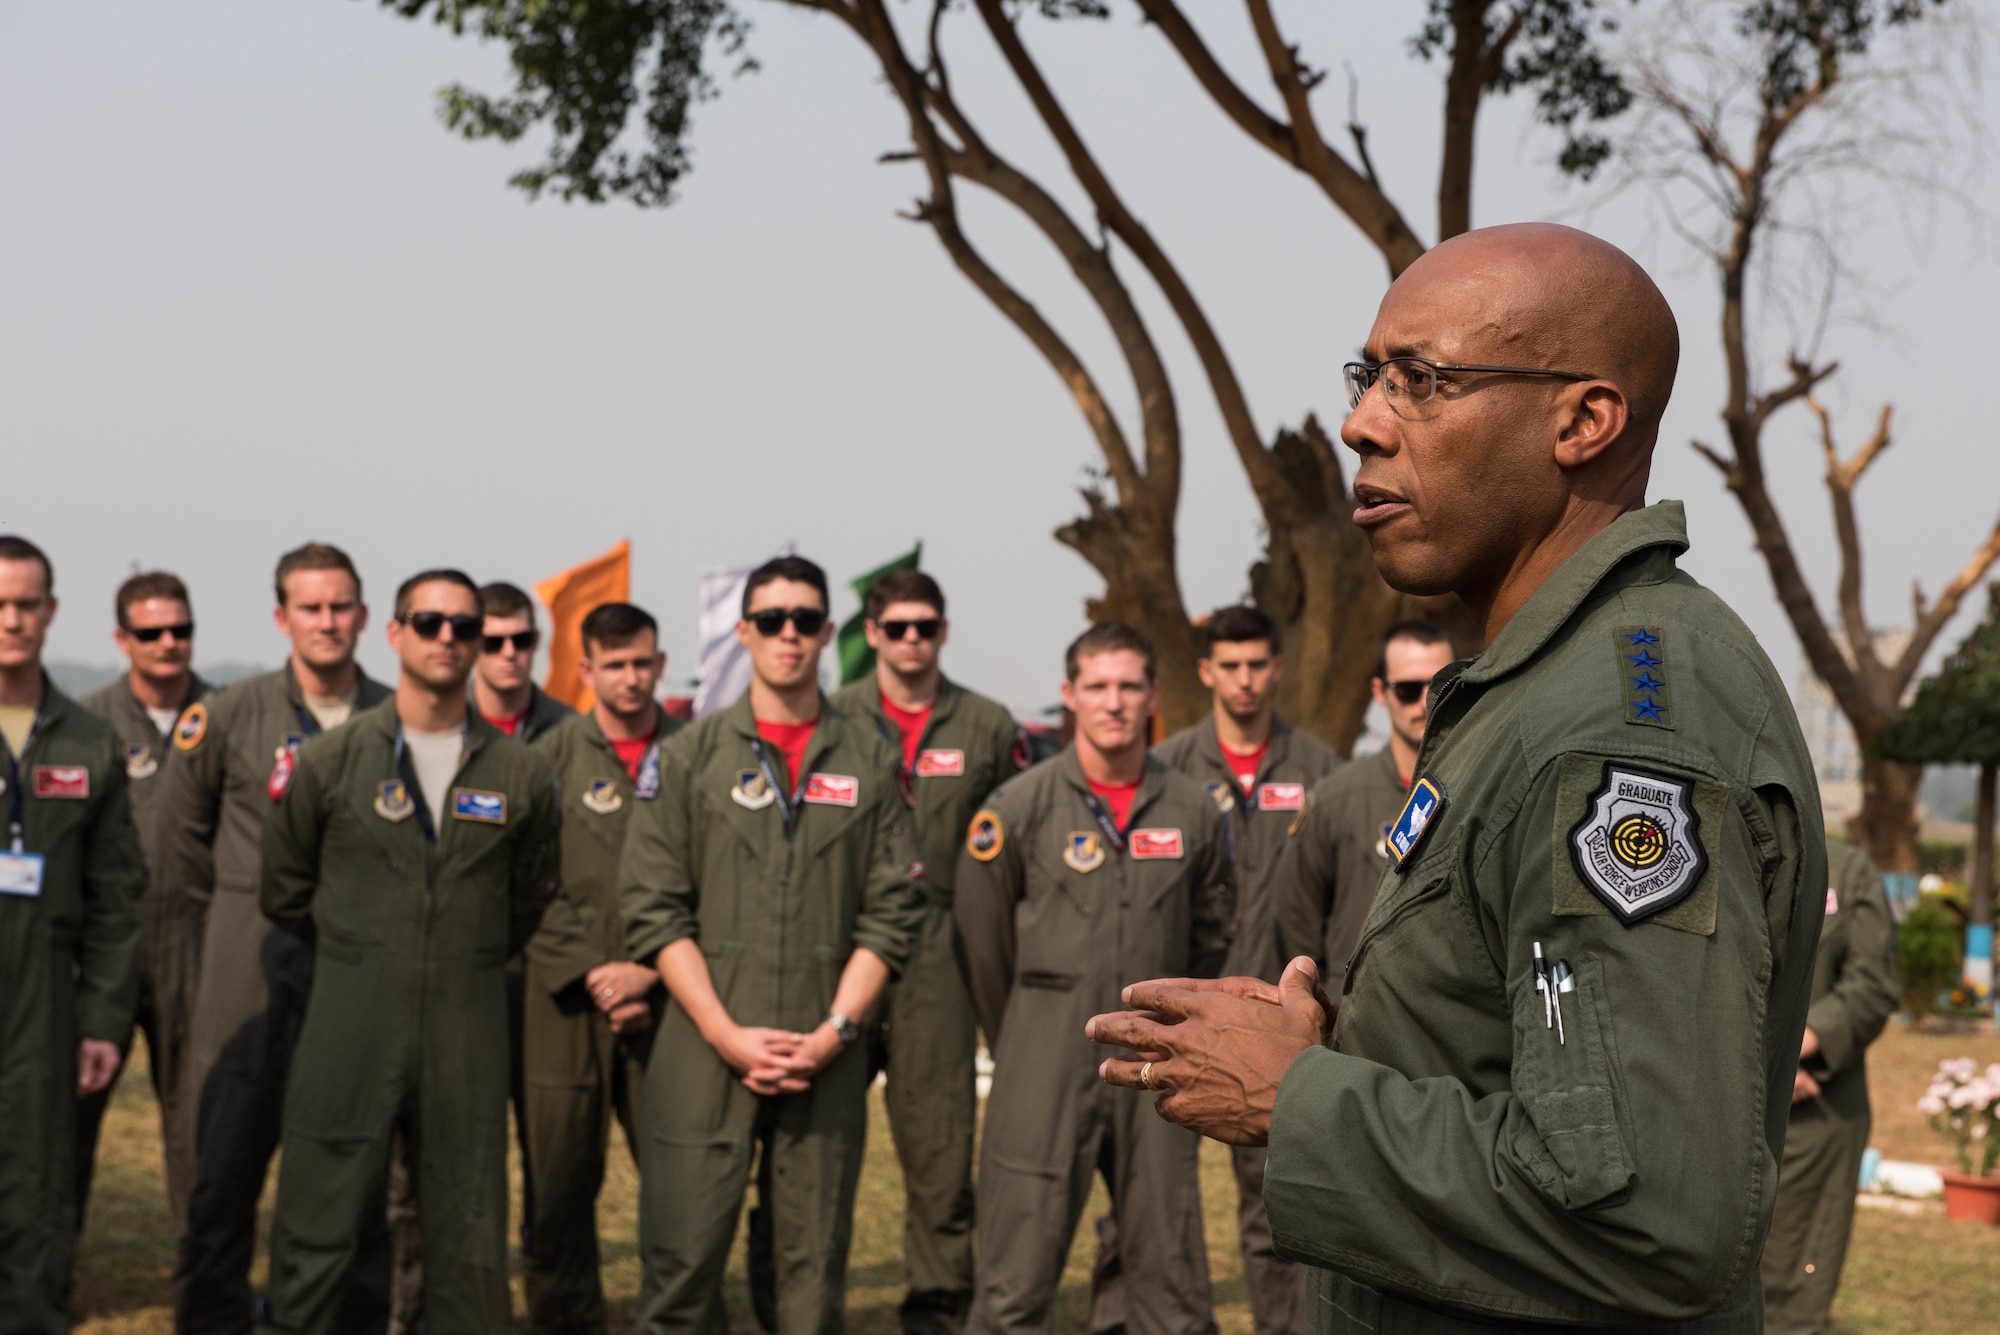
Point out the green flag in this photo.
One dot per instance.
(857, 660)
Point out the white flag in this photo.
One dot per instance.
(722, 663)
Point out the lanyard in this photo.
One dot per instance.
(785, 808)
(423, 808)
(647, 785)
(1104, 821)
(16, 800)
(310, 725)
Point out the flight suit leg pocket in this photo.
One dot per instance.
(1575, 1142)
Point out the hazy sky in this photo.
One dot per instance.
(254, 293)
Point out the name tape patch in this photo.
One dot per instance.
(834, 790)
(475, 804)
(1281, 796)
(1144, 844)
(70, 782)
(940, 764)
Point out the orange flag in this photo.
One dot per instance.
(570, 597)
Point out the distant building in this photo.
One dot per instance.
(1836, 755)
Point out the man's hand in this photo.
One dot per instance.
(1218, 1047)
(1808, 1045)
(765, 1058)
(1804, 1087)
(96, 1062)
(634, 1017)
(614, 985)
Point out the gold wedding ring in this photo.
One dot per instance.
(1146, 1076)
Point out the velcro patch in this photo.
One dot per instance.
(62, 781)
(1143, 844)
(985, 837)
(940, 764)
(1281, 797)
(837, 790)
(475, 804)
(192, 727)
(1629, 843)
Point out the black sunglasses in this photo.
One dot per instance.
(524, 641)
(465, 627)
(1408, 692)
(183, 632)
(771, 620)
(926, 629)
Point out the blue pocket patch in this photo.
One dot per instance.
(472, 804)
(1407, 834)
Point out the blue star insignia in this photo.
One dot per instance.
(1649, 710)
(1647, 682)
(1642, 659)
(1642, 637)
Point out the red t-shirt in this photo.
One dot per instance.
(1118, 797)
(632, 753)
(1244, 764)
(791, 739)
(912, 722)
(510, 726)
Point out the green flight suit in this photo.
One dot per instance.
(1855, 990)
(169, 956)
(69, 970)
(1334, 861)
(579, 1074)
(1056, 919)
(777, 906)
(1621, 779)
(410, 929)
(1260, 821)
(250, 997)
(929, 1038)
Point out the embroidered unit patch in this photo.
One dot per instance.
(1084, 851)
(751, 790)
(1224, 796)
(192, 727)
(1406, 833)
(1155, 844)
(602, 797)
(393, 801)
(1638, 846)
(985, 837)
(1642, 675)
(140, 763)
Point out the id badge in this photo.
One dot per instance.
(21, 874)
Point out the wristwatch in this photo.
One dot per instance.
(844, 1029)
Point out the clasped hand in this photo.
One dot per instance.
(1219, 1047)
(776, 1061)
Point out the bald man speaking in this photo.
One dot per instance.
(1557, 1089)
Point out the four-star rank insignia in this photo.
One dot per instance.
(751, 790)
(140, 763)
(1224, 795)
(1084, 851)
(393, 802)
(1642, 675)
(985, 837)
(1638, 846)
(602, 797)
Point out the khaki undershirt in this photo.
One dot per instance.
(434, 758)
(331, 713)
(15, 723)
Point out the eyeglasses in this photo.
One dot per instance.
(1408, 692)
(927, 628)
(1408, 383)
(465, 628)
(524, 641)
(771, 621)
(183, 631)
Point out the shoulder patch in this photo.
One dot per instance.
(986, 836)
(1637, 845)
(1642, 675)
(192, 727)
(1420, 809)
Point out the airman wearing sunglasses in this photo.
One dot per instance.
(155, 628)
(773, 885)
(503, 687)
(230, 758)
(956, 748)
(413, 851)
(1332, 863)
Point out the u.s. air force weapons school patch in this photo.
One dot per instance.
(1638, 846)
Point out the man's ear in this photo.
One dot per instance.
(1206, 671)
(1597, 413)
(743, 633)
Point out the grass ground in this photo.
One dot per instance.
(1907, 1274)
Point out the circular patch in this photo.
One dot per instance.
(193, 726)
(985, 837)
(1639, 842)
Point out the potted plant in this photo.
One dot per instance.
(1964, 1107)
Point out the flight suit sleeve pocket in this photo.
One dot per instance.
(1573, 1143)
(1640, 833)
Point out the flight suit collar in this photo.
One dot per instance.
(55, 707)
(365, 688)
(1659, 529)
(1152, 782)
(827, 733)
(949, 693)
(593, 732)
(1276, 753)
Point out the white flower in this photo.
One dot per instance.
(1931, 1104)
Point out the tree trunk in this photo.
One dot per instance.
(1141, 588)
(1982, 849)
(1887, 824)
